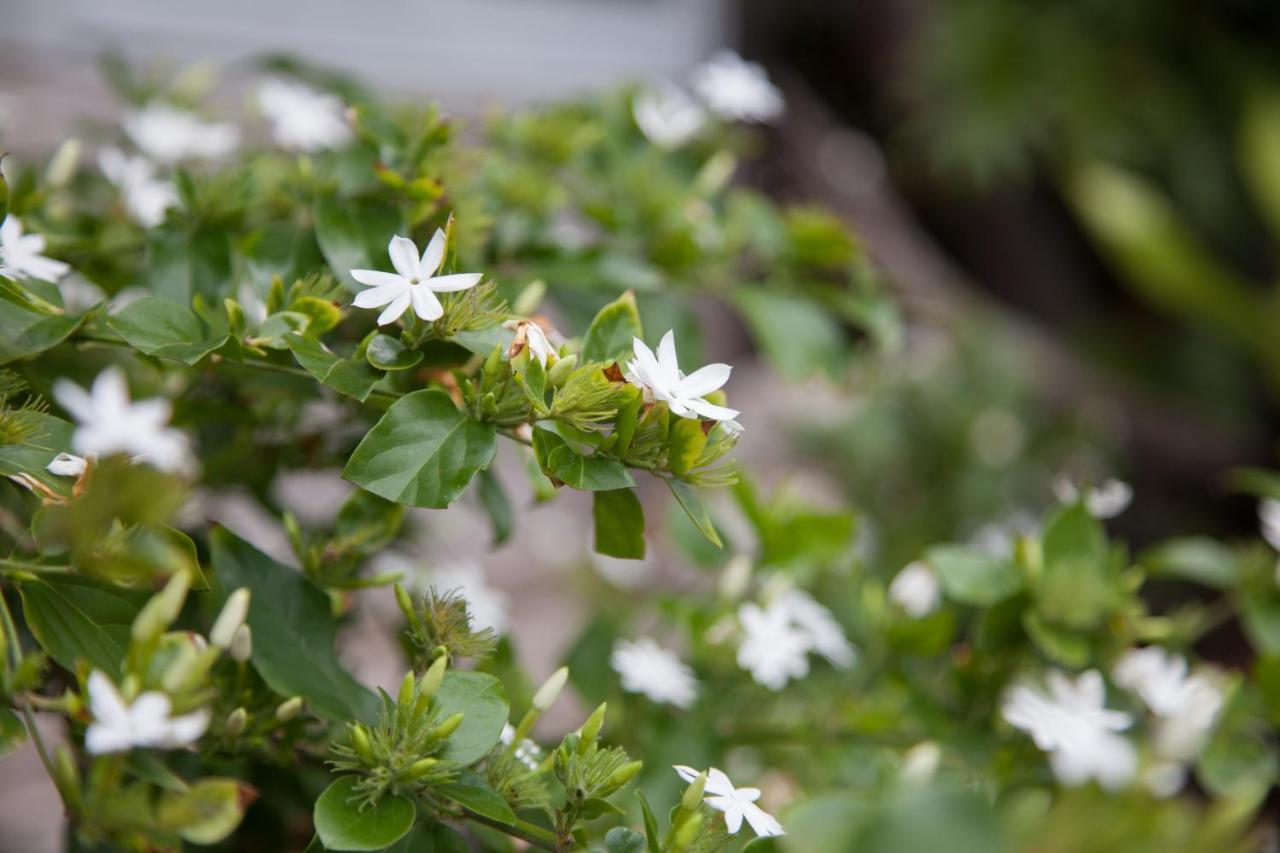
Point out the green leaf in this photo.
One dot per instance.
(494, 499)
(1060, 644)
(619, 521)
(622, 839)
(77, 620)
(587, 473)
(481, 698)
(166, 329)
(696, 510)
(687, 441)
(387, 353)
(799, 337)
(342, 825)
(24, 332)
(1260, 618)
(354, 235)
(650, 824)
(1077, 586)
(293, 629)
(206, 812)
(351, 376)
(182, 265)
(423, 451)
(972, 576)
(610, 335)
(430, 836)
(1198, 559)
(31, 457)
(473, 792)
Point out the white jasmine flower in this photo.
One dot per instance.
(661, 378)
(527, 752)
(302, 118)
(824, 633)
(488, 606)
(107, 422)
(667, 116)
(20, 254)
(773, 649)
(1269, 515)
(67, 465)
(1106, 501)
(146, 197)
(737, 89)
(738, 804)
(413, 283)
(1187, 704)
(648, 668)
(1072, 724)
(146, 722)
(169, 134)
(916, 589)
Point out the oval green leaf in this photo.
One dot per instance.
(342, 825)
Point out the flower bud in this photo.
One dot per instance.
(624, 774)
(448, 727)
(407, 685)
(64, 163)
(360, 743)
(180, 667)
(550, 689)
(434, 676)
(559, 372)
(420, 768)
(163, 607)
(236, 722)
(406, 602)
(230, 619)
(591, 728)
(688, 831)
(693, 794)
(288, 709)
(242, 644)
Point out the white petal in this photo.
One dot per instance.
(646, 365)
(74, 399)
(105, 702)
(10, 230)
(718, 783)
(433, 255)
(746, 795)
(377, 278)
(733, 818)
(376, 297)
(667, 358)
(425, 303)
(704, 380)
(686, 772)
(101, 739)
(188, 728)
(149, 714)
(393, 311)
(66, 465)
(404, 257)
(711, 411)
(450, 283)
(764, 824)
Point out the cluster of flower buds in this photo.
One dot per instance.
(590, 772)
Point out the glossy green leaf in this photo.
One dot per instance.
(472, 791)
(166, 329)
(481, 698)
(351, 376)
(388, 353)
(610, 335)
(622, 839)
(693, 506)
(423, 451)
(32, 456)
(24, 332)
(799, 337)
(430, 836)
(587, 473)
(343, 825)
(78, 620)
(619, 524)
(972, 576)
(354, 235)
(293, 630)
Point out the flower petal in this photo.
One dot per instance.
(393, 311)
(433, 255)
(450, 283)
(667, 358)
(718, 783)
(376, 297)
(704, 380)
(425, 303)
(733, 818)
(105, 702)
(376, 278)
(710, 411)
(404, 257)
(101, 739)
(646, 365)
(764, 824)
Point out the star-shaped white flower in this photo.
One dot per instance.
(738, 804)
(656, 672)
(302, 118)
(169, 134)
(824, 633)
(916, 590)
(1105, 501)
(667, 116)
(1187, 703)
(413, 283)
(20, 254)
(737, 89)
(661, 378)
(108, 422)
(146, 197)
(773, 649)
(146, 722)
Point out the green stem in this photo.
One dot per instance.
(10, 566)
(525, 831)
(28, 719)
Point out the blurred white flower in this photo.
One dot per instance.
(169, 134)
(647, 668)
(1269, 516)
(824, 633)
(67, 465)
(1106, 501)
(489, 606)
(737, 89)
(527, 752)
(916, 589)
(773, 649)
(79, 294)
(1187, 704)
(661, 378)
(738, 804)
(413, 283)
(146, 722)
(667, 116)
(997, 538)
(108, 422)
(1071, 723)
(302, 118)
(20, 254)
(146, 197)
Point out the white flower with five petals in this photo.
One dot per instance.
(656, 672)
(1105, 501)
(107, 422)
(414, 281)
(773, 648)
(169, 134)
(119, 726)
(738, 804)
(661, 378)
(301, 118)
(667, 116)
(146, 197)
(20, 254)
(737, 89)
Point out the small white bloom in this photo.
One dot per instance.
(1071, 723)
(1187, 704)
(527, 752)
(667, 116)
(146, 197)
(738, 804)
(147, 722)
(67, 465)
(169, 134)
(1269, 515)
(108, 422)
(656, 672)
(20, 254)
(737, 89)
(773, 649)
(997, 538)
(916, 589)
(302, 118)
(413, 283)
(487, 605)
(824, 633)
(1106, 501)
(661, 378)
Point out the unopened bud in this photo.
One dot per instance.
(550, 689)
(288, 709)
(736, 577)
(420, 768)
(175, 675)
(434, 676)
(231, 619)
(163, 607)
(242, 644)
(62, 166)
(236, 721)
(559, 372)
(688, 831)
(625, 774)
(448, 727)
(360, 743)
(693, 794)
(591, 728)
(405, 601)
(407, 685)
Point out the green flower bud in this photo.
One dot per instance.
(624, 774)
(420, 768)
(407, 685)
(591, 728)
(288, 709)
(448, 727)
(175, 676)
(406, 603)
(360, 743)
(163, 607)
(236, 722)
(550, 689)
(688, 831)
(434, 677)
(230, 619)
(693, 794)
(559, 372)
(242, 644)
(66, 776)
